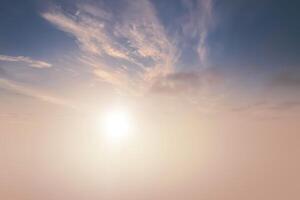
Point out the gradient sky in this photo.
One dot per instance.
(214, 87)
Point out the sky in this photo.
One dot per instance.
(212, 88)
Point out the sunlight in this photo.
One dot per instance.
(117, 124)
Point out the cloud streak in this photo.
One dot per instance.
(27, 60)
(30, 92)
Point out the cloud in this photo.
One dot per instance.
(129, 48)
(204, 89)
(188, 82)
(2, 72)
(196, 24)
(287, 105)
(289, 79)
(268, 108)
(132, 36)
(31, 62)
(30, 92)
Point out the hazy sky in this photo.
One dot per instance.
(213, 88)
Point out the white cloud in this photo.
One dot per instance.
(133, 37)
(31, 62)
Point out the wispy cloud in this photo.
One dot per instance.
(130, 48)
(27, 60)
(34, 93)
(133, 36)
(196, 24)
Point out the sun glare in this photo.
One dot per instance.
(117, 124)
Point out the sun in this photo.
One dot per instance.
(117, 124)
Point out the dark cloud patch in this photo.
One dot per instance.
(280, 92)
(287, 105)
(251, 106)
(287, 80)
(269, 105)
(3, 73)
(185, 82)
